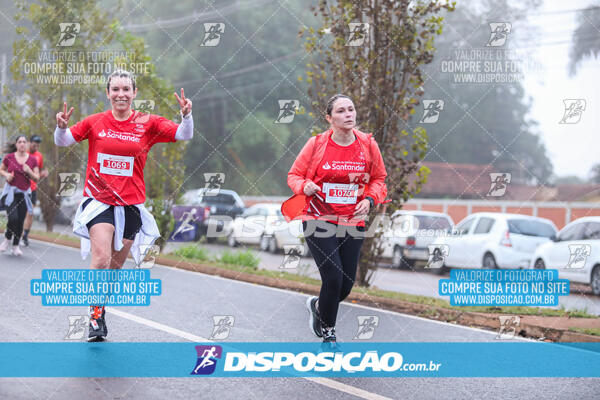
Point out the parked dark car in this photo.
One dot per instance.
(203, 207)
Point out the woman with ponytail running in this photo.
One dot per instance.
(341, 175)
(112, 216)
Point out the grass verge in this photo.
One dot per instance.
(587, 331)
(235, 261)
(53, 236)
(245, 261)
(251, 270)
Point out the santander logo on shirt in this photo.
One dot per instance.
(128, 136)
(344, 166)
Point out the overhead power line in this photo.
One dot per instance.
(208, 16)
(242, 70)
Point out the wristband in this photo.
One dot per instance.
(371, 201)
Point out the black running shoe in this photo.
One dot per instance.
(329, 335)
(97, 329)
(314, 319)
(25, 241)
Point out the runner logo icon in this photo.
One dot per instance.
(500, 181)
(366, 326)
(437, 255)
(358, 33)
(68, 33)
(68, 183)
(287, 111)
(578, 255)
(187, 222)
(431, 111)
(144, 109)
(508, 326)
(207, 359)
(222, 327)
(292, 255)
(573, 110)
(77, 325)
(149, 254)
(212, 33)
(213, 180)
(499, 33)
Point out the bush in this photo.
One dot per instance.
(245, 258)
(193, 252)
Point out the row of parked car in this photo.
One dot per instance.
(502, 240)
(410, 238)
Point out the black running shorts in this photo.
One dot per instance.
(133, 220)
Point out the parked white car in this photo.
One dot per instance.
(406, 238)
(575, 252)
(263, 224)
(495, 240)
(284, 236)
(250, 226)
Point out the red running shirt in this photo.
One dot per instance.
(20, 179)
(40, 162)
(340, 166)
(117, 154)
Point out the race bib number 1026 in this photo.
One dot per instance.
(115, 165)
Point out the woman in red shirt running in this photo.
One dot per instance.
(342, 175)
(19, 168)
(112, 219)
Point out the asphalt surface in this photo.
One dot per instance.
(184, 312)
(419, 282)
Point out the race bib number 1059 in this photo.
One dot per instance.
(340, 193)
(115, 165)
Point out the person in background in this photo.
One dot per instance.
(19, 168)
(34, 146)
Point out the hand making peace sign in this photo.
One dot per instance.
(62, 117)
(185, 104)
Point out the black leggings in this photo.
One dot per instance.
(336, 255)
(16, 213)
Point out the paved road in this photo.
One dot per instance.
(413, 282)
(184, 312)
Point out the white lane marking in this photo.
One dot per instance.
(304, 295)
(434, 321)
(342, 387)
(157, 325)
(330, 383)
(343, 303)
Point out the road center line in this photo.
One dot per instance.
(330, 383)
(304, 295)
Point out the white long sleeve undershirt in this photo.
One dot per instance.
(185, 131)
(63, 137)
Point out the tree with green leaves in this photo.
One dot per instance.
(484, 123)
(31, 107)
(586, 40)
(64, 52)
(237, 84)
(374, 52)
(595, 174)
